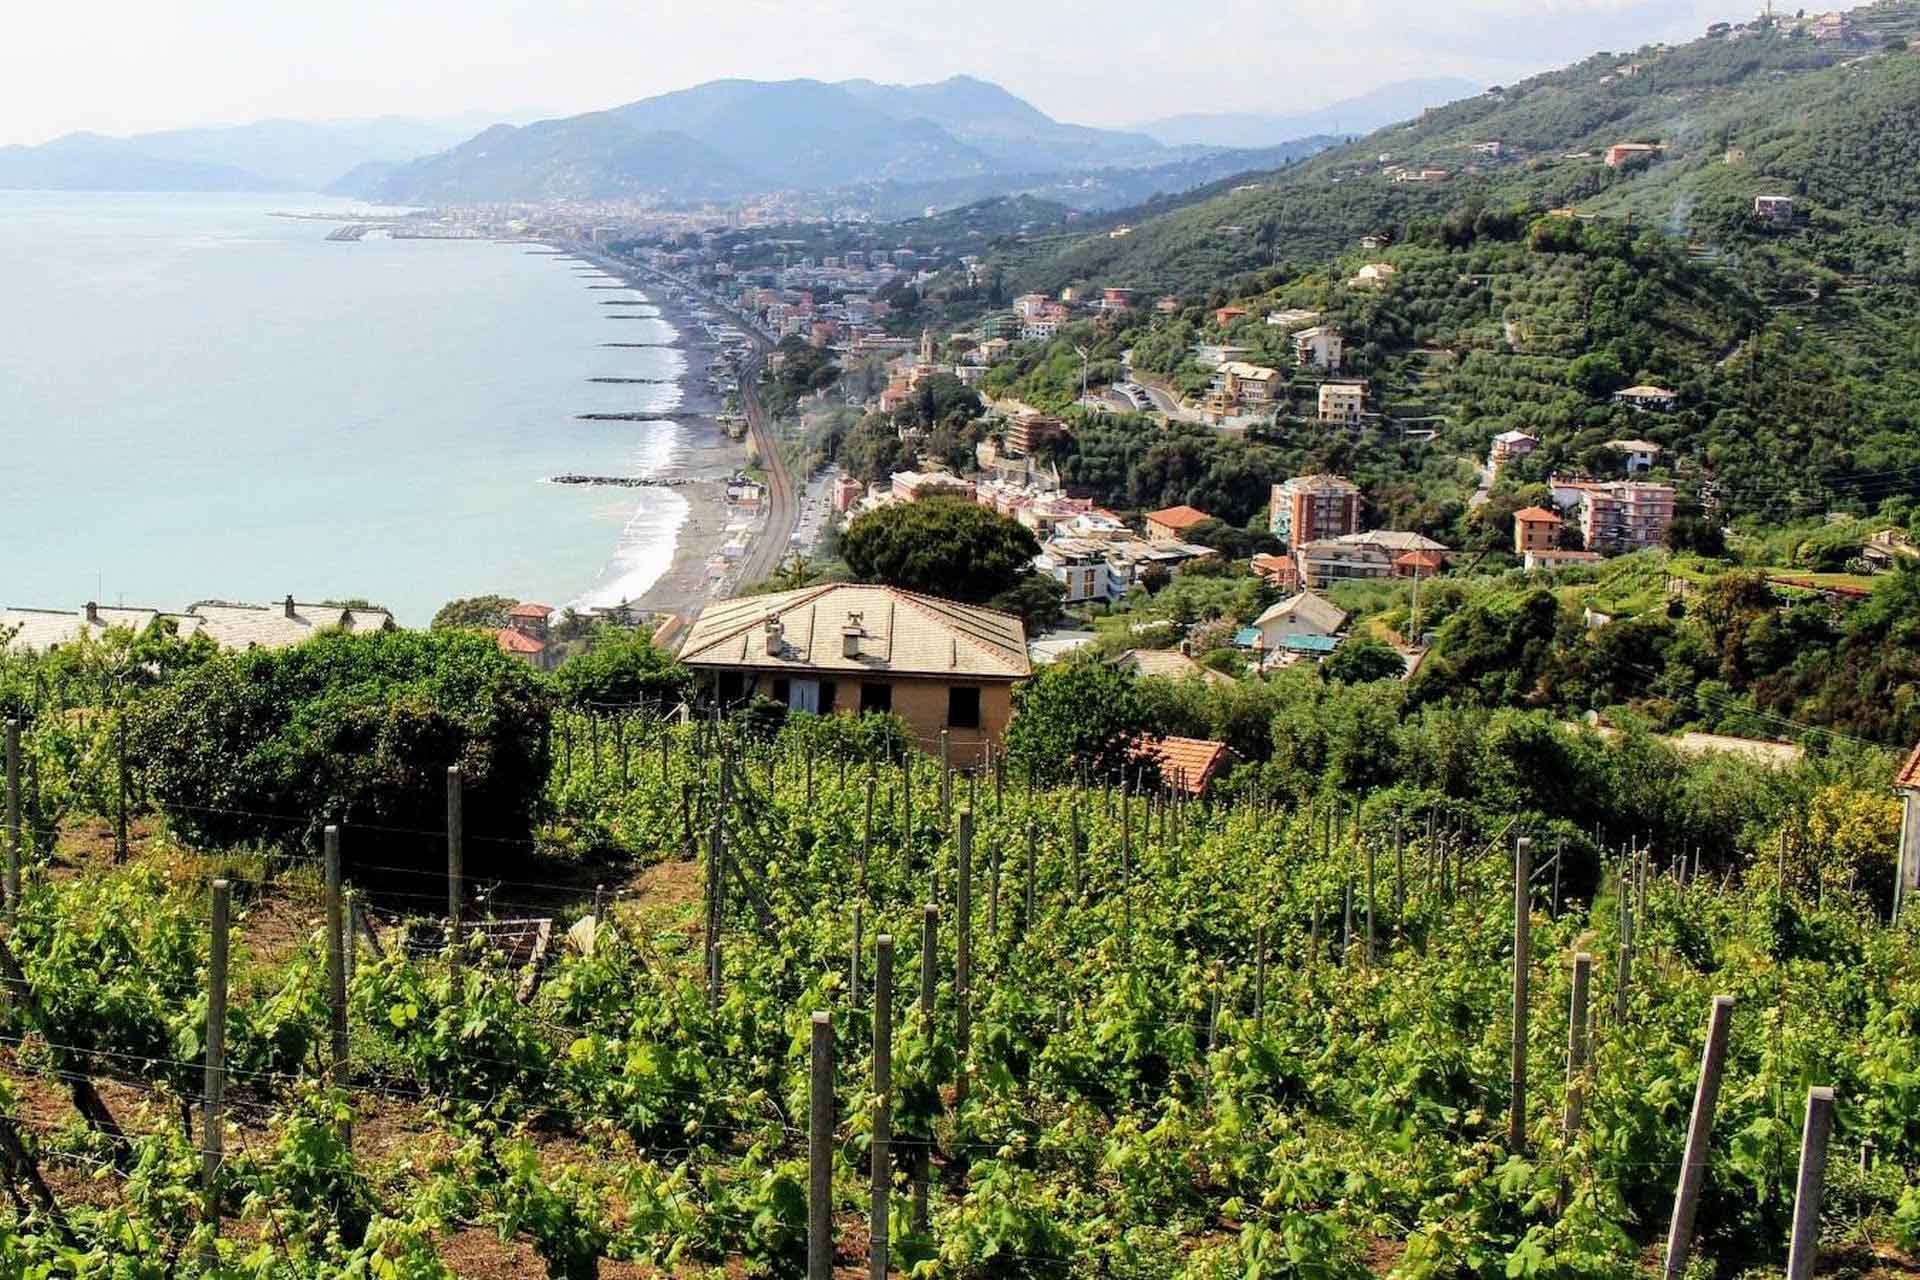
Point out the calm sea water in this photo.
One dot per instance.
(199, 400)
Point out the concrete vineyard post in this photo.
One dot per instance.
(336, 962)
(456, 861)
(820, 1152)
(1399, 877)
(1810, 1188)
(212, 1130)
(1577, 1043)
(946, 777)
(1693, 1164)
(1522, 963)
(880, 1155)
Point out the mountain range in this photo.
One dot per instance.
(268, 155)
(1389, 104)
(733, 137)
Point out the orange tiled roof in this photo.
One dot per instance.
(511, 641)
(1909, 777)
(1537, 513)
(1419, 560)
(1186, 763)
(1180, 517)
(530, 610)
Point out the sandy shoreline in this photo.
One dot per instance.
(707, 457)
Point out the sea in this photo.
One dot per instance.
(202, 400)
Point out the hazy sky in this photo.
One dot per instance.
(122, 66)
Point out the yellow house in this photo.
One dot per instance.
(846, 647)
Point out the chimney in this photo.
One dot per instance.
(774, 630)
(93, 613)
(288, 606)
(851, 634)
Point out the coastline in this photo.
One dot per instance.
(708, 456)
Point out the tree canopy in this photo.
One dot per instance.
(940, 547)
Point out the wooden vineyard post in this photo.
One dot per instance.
(923, 1164)
(1559, 861)
(1623, 972)
(212, 1132)
(1810, 1189)
(1074, 841)
(1033, 857)
(998, 763)
(336, 969)
(1577, 1044)
(993, 894)
(1693, 1165)
(853, 958)
(866, 832)
(13, 822)
(1346, 919)
(1370, 887)
(1399, 878)
(1260, 975)
(620, 747)
(880, 1155)
(809, 782)
(1522, 962)
(946, 778)
(963, 956)
(456, 862)
(820, 1152)
(120, 845)
(716, 900)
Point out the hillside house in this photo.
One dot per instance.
(1647, 399)
(1329, 560)
(526, 636)
(1535, 529)
(848, 648)
(44, 630)
(1507, 447)
(1277, 571)
(1187, 765)
(1293, 318)
(243, 626)
(1080, 566)
(1375, 275)
(1638, 455)
(1239, 383)
(1321, 347)
(1625, 515)
(1028, 431)
(1342, 403)
(1306, 508)
(1304, 623)
(1625, 153)
(1775, 209)
(1226, 317)
(1173, 524)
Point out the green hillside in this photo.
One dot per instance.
(1828, 120)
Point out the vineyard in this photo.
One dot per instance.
(839, 1009)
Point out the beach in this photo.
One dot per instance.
(706, 459)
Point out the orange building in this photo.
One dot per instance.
(1535, 529)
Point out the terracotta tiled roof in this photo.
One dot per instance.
(1909, 777)
(1531, 514)
(515, 642)
(531, 610)
(1180, 517)
(901, 634)
(1188, 764)
(1419, 560)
